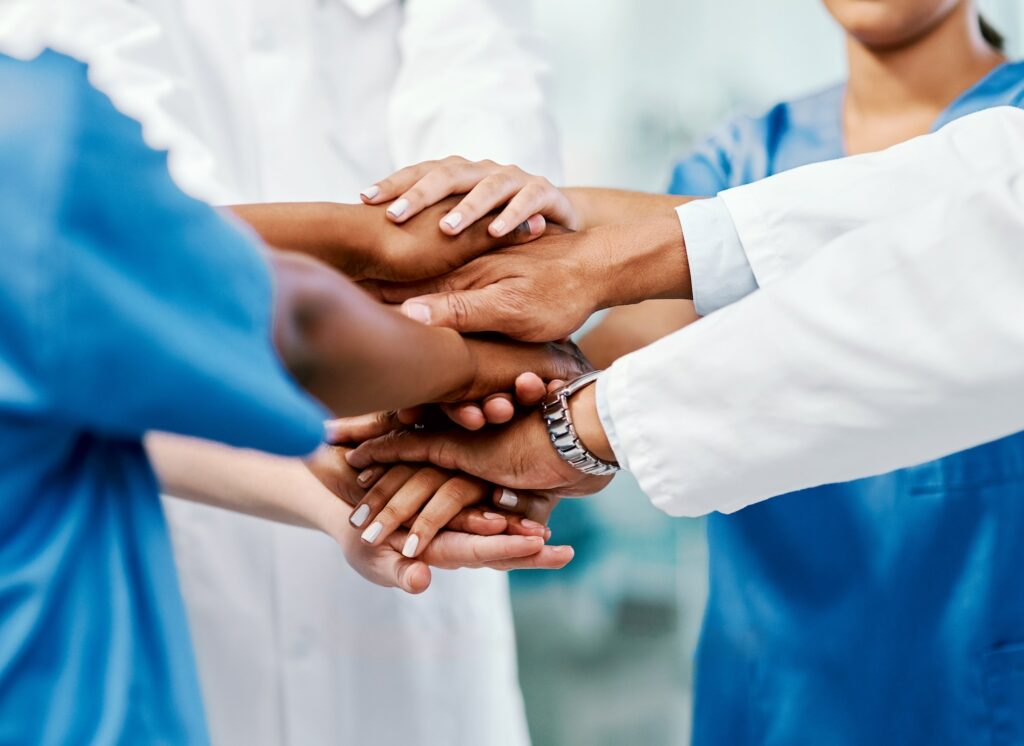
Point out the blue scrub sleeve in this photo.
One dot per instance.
(147, 309)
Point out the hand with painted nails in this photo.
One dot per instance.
(384, 564)
(360, 242)
(488, 186)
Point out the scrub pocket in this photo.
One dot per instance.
(1003, 671)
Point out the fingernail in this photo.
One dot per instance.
(527, 523)
(365, 476)
(417, 312)
(398, 208)
(535, 539)
(498, 227)
(508, 498)
(370, 192)
(370, 535)
(491, 516)
(409, 550)
(358, 518)
(453, 220)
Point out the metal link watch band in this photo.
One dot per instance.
(563, 435)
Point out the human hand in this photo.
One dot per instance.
(547, 289)
(487, 186)
(519, 456)
(360, 242)
(384, 564)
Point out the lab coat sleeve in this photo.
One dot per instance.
(898, 342)
(130, 59)
(472, 83)
(782, 220)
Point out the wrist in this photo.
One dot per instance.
(641, 261)
(590, 431)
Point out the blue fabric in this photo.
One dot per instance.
(124, 307)
(888, 610)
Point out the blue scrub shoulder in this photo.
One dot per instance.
(749, 148)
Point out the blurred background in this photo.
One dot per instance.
(606, 647)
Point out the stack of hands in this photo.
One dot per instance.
(505, 265)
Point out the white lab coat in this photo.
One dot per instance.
(314, 100)
(888, 330)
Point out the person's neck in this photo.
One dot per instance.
(926, 74)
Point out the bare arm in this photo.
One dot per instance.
(358, 356)
(596, 207)
(283, 490)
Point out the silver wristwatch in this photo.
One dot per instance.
(563, 432)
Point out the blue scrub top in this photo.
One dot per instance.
(888, 610)
(124, 307)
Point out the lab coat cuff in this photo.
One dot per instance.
(720, 273)
(631, 432)
(604, 414)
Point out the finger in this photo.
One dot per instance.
(450, 176)
(447, 502)
(491, 192)
(368, 477)
(413, 576)
(479, 521)
(478, 310)
(409, 416)
(537, 196)
(440, 449)
(385, 566)
(532, 507)
(451, 549)
(407, 501)
(362, 427)
(530, 389)
(498, 409)
(548, 558)
(328, 465)
(519, 526)
(378, 496)
(466, 415)
(389, 188)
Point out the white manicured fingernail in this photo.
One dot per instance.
(417, 312)
(409, 550)
(508, 498)
(370, 535)
(359, 517)
(453, 220)
(497, 227)
(398, 208)
(371, 192)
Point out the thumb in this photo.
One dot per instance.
(463, 310)
(412, 576)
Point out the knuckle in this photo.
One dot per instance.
(416, 194)
(390, 516)
(459, 309)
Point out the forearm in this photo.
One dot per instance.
(271, 487)
(596, 207)
(354, 354)
(327, 231)
(626, 329)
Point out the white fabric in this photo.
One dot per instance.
(889, 329)
(314, 100)
(718, 265)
